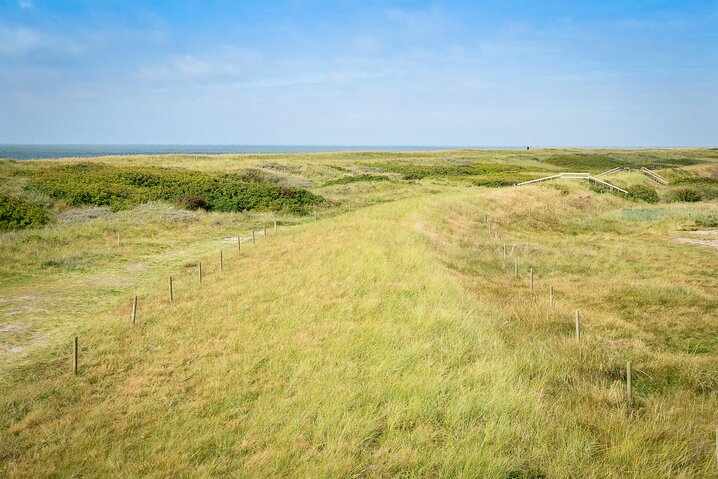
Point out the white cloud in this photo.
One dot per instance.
(26, 4)
(190, 66)
(20, 41)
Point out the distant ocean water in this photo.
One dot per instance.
(28, 152)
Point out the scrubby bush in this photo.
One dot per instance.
(706, 187)
(191, 202)
(355, 179)
(584, 161)
(708, 221)
(17, 214)
(643, 193)
(125, 187)
(685, 194)
(480, 174)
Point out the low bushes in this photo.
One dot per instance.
(708, 221)
(584, 161)
(355, 179)
(643, 193)
(191, 202)
(125, 187)
(688, 195)
(17, 214)
(499, 174)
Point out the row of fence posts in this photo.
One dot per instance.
(133, 314)
(551, 302)
(629, 364)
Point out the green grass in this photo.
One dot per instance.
(389, 340)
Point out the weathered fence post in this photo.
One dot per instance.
(275, 226)
(172, 295)
(221, 261)
(199, 271)
(504, 250)
(75, 353)
(265, 231)
(239, 244)
(629, 383)
(252, 236)
(578, 325)
(134, 310)
(532, 279)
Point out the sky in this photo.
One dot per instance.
(290, 72)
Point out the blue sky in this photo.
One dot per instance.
(553, 73)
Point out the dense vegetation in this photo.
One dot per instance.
(16, 213)
(125, 187)
(643, 193)
(344, 180)
(482, 174)
(584, 162)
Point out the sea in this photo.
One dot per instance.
(38, 151)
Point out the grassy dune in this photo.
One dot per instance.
(390, 337)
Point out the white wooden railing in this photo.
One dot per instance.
(575, 176)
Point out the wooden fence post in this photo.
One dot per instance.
(239, 244)
(275, 226)
(532, 279)
(578, 325)
(265, 231)
(75, 348)
(252, 236)
(199, 270)
(629, 383)
(134, 310)
(504, 250)
(221, 261)
(172, 294)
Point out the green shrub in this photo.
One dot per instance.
(126, 187)
(706, 187)
(709, 221)
(17, 214)
(584, 161)
(354, 179)
(643, 193)
(191, 202)
(685, 194)
(500, 174)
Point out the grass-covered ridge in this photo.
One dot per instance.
(121, 187)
